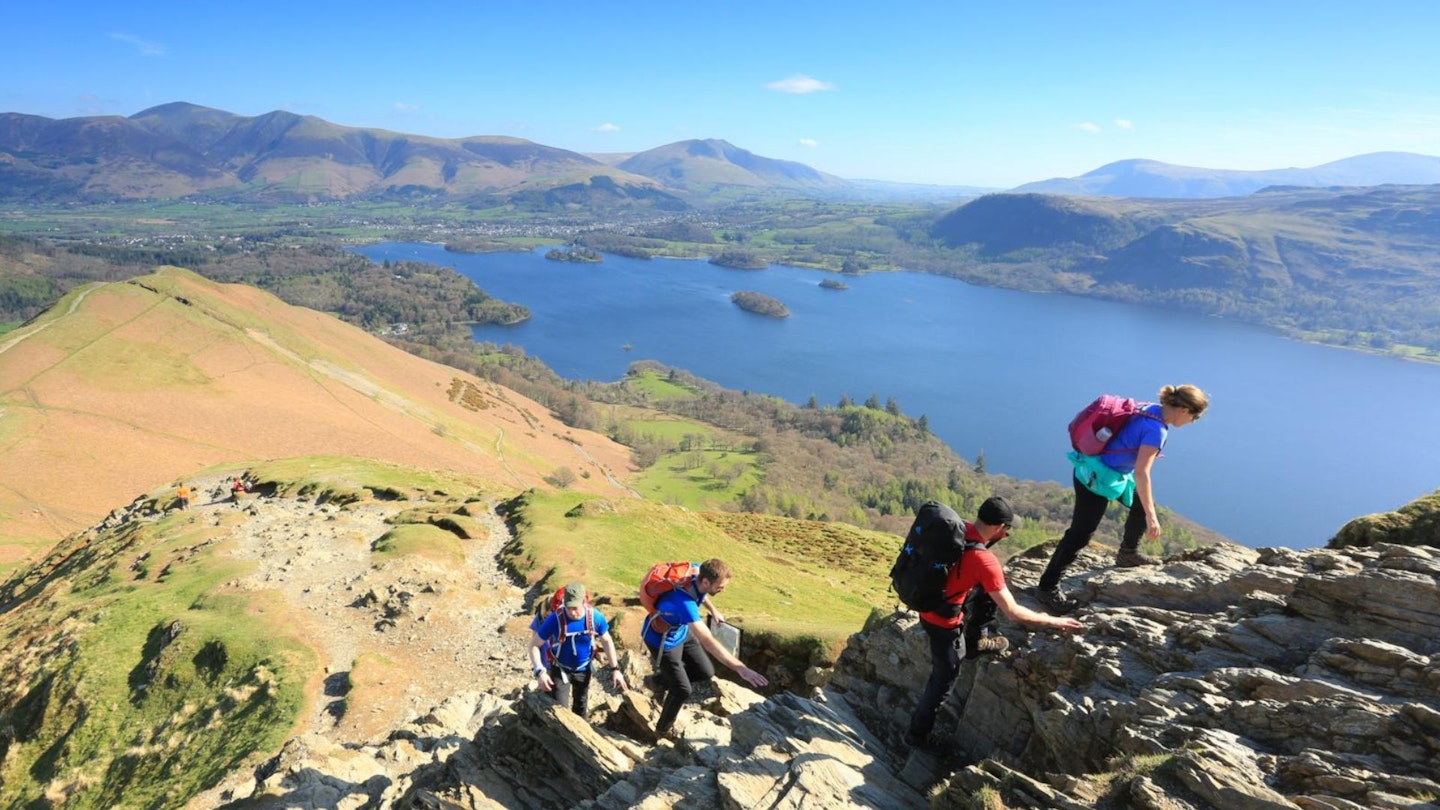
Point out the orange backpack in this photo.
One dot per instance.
(661, 579)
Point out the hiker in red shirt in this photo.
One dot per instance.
(948, 635)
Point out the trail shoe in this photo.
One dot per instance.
(1134, 559)
(1054, 602)
(992, 644)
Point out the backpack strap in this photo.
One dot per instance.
(1135, 450)
(969, 546)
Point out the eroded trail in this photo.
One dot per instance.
(396, 635)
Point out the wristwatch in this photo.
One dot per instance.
(539, 670)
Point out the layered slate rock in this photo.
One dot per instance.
(1225, 678)
(1234, 677)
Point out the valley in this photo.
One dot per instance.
(352, 631)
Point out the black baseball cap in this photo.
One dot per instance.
(996, 511)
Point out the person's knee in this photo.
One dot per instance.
(682, 686)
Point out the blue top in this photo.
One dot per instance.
(678, 608)
(1137, 432)
(579, 647)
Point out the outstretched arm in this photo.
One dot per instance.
(1017, 612)
(717, 650)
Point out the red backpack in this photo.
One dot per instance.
(1097, 423)
(661, 579)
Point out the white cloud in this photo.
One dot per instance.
(809, 142)
(1124, 123)
(1087, 126)
(799, 84)
(606, 127)
(402, 107)
(145, 48)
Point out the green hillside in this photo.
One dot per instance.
(138, 665)
(1353, 267)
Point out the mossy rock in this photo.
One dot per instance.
(1414, 524)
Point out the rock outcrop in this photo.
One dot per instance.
(1226, 678)
(1414, 524)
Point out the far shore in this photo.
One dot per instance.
(1416, 354)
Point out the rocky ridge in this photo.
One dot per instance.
(1226, 678)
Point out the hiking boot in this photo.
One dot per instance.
(930, 743)
(1054, 602)
(992, 644)
(1134, 559)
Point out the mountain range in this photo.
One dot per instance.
(1150, 178)
(181, 150)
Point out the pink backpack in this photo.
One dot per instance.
(1096, 423)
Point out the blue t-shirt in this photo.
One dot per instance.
(579, 647)
(678, 608)
(1137, 432)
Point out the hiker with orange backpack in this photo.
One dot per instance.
(567, 638)
(1113, 463)
(678, 639)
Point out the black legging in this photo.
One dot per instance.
(579, 686)
(1089, 511)
(947, 650)
(679, 669)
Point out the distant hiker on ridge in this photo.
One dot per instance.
(675, 635)
(1116, 441)
(237, 488)
(947, 630)
(182, 496)
(567, 637)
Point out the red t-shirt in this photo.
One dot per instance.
(979, 567)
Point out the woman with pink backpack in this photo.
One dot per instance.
(1128, 436)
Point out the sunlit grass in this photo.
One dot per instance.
(792, 578)
(699, 479)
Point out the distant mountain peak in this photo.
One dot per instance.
(705, 164)
(1140, 177)
(176, 108)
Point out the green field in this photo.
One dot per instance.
(792, 578)
(699, 479)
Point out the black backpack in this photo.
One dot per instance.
(933, 546)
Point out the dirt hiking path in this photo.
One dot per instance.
(395, 635)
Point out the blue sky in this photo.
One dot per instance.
(957, 92)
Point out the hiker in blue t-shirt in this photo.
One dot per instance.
(1120, 472)
(678, 641)
(573, 649)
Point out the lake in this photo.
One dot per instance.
(1298, 440)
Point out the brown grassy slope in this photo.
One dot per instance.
(123, 387)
